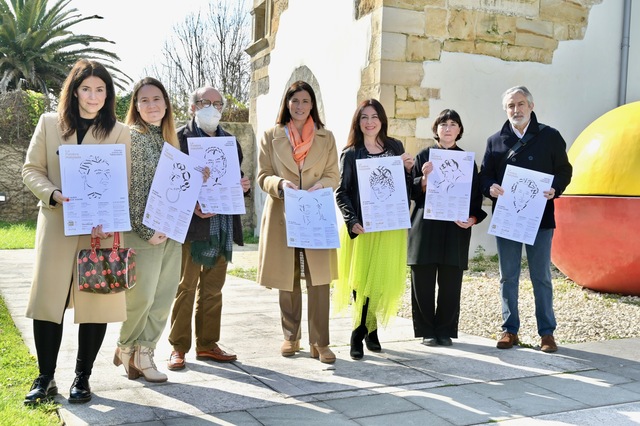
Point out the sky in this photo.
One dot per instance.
(138, 27)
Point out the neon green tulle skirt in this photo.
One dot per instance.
(374, 265)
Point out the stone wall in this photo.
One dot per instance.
(408, 33)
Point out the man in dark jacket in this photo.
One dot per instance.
(206, 251)
(525, 143)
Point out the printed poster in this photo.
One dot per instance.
(94, 178)
(311, 220)
(448, 192)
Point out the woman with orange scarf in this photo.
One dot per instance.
(298, 153)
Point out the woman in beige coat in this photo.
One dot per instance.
(300, 154)
(86, 115)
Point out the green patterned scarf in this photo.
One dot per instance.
(220, 242)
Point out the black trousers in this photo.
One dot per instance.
(431, 319)
(48, 337)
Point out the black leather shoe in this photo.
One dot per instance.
(444, 341)
(372, 341)
(42, 390)
(80, 390)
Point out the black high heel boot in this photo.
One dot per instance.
(357, 349)
(80, 390)
(372, 341)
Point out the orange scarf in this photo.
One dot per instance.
(301, 145)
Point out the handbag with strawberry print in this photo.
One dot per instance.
(106, 270)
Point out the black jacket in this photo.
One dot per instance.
(199, 227)
(438, 241)
(545, 152)
(347, 195)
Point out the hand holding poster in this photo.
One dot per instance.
(518, 212)
(383, 194)
(173, 194)
(222, 193)
(311, 219)
(449, 185)
(94, 178)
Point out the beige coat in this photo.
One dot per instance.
(55, 254)
(275, 163)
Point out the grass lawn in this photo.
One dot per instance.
(18, 367)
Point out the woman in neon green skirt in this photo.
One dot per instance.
(371, 266)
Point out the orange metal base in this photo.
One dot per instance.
(597, 242)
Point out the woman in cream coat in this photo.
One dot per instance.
(297, 153)
(86, 114)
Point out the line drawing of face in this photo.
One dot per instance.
(178, 182)
(217, 162)
(450, 170)
(96, 175)
(311, 210)
(524, 190)
(381, 183)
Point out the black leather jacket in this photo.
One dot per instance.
(347, 195)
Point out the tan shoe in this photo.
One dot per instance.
(141, 364)
(324, 353)
(507, 340)
(122, 357)
(290, 347)
(176, 361)
(548, 344)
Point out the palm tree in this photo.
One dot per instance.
(37, 47)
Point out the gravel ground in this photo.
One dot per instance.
(582, 315)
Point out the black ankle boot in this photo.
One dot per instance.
(357, 349)
(80, 390)
(42, 389)
(372, 341)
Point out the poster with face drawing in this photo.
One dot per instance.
(94, 178)
(519, 211)
(449, 185)
(383, 194)
(173, 194)
(310, 219)
(222, 193)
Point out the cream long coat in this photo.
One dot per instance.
(55, 253)
(275, 163)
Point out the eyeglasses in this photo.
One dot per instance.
(206, 103)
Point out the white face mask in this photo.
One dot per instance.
(208, 118)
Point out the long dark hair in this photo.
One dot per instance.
(135, 119)
(284, 116)
(356, 137)
(68, 109)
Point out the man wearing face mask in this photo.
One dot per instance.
(206, 251)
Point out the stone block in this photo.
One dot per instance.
(403, 21)
(260, 73)
(402, 127)
(393, 46)
(401, 93)
(423, 49)
(371, 74)
(388, 99)
(462, 24)
(414, 4)
(534, 26)
(489, 49)
(535, 40)
(530, 54)
(461, 46)
(413, 145)
(436, 22)
(412, 109)
(422, 93)
(496, 28)
(502, 7)
(564, 11)
(401, 73)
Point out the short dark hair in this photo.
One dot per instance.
(284, 116)
(68, 108)
(446, 115)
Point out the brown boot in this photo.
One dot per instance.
(548, 344)
(507, 340)
(122, 357)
